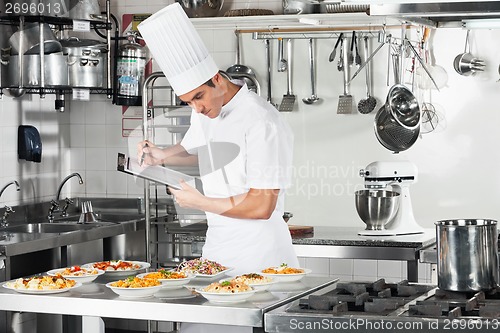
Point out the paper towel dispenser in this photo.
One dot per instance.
(29, 144)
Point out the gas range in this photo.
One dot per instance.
(395, 307)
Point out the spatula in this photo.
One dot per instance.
(345, 101)
(289, 98)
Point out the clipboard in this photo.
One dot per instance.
(157, 173)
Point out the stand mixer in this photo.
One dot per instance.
(399, 175)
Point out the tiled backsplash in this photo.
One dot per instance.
(365, 270)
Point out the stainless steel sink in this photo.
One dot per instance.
(53, 228)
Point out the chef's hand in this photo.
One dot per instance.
(148, 153)
(187, 196)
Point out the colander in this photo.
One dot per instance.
(391, 134)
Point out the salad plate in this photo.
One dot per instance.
(219, 274)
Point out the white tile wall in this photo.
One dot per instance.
(364, 270)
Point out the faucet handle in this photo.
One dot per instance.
(67, 202)
(6, 213)
(54, 205)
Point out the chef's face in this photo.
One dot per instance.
(208, 98)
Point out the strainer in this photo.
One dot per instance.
(403, 106)
(391, 134)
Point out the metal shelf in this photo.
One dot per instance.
(44, 91)
(64, 23)
(60, 21)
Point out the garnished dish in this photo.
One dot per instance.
(284, 273)
(228, 287)
(118, 267)
(202, 267)
(77, 273)
(227, 292)
(164, 274)
(134, 287)
(169, 279)
(256, 281)
(42, 285)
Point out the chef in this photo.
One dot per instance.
(243, 191)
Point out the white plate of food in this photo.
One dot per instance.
(258, 282)
(203, 268)
(285, 273)
(135, 287)
(38, 285)
(119, 267)
(168, 279)
(227, 292)
(77, 273)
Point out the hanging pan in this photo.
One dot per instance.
(397, 123)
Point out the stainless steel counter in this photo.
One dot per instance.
(345, 243)
(178, 305)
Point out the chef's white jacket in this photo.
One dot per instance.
(258, 154)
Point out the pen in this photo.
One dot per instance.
(143, 154)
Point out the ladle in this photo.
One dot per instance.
(239, 71)
(313, 98)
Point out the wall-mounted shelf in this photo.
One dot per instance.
(301, 21)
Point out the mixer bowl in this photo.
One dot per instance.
(377, 207)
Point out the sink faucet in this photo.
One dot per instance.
(54, 204)
(8, 210)
(75, 174)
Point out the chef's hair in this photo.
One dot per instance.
(224, 74)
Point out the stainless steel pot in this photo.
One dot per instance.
(467, 254)
(55, 71)
(30, 41)
(87, 62)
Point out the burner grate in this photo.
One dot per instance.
(377, 298)
(452, 304)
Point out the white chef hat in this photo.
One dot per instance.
(178, 49)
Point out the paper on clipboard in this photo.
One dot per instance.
(157, 173)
